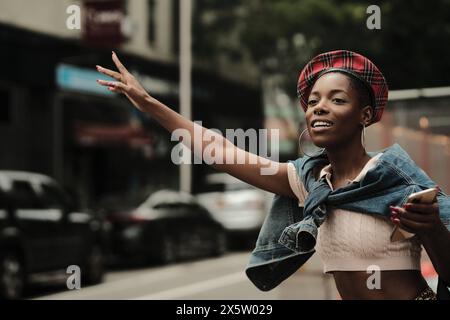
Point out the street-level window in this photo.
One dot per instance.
(152, 22)
(176, 26)
(23, 195)
(3, 202)
(53, 198)
(5, 106)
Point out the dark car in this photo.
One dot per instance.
(42, 233)
(166, 227)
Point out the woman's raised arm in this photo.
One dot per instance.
(250, 170)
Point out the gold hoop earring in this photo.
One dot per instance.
(363, 136)
(301, 149)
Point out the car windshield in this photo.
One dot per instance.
(121, 202)
(167, 197)
(224, 187)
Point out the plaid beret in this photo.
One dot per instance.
(350, 63)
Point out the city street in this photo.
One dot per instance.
(148, 146)
(221, 278)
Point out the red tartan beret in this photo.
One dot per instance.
(350, 63)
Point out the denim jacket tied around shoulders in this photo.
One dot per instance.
(288, 235)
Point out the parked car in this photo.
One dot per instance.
(168, 226)
(239, 207)
(42, 232)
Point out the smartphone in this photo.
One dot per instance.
(427, 196)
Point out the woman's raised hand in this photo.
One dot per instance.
(126, 84)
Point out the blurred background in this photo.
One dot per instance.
(87, 180)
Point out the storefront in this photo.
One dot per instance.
(56, 120)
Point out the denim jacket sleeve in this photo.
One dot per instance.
(271, 262)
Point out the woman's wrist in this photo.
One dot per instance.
(150, 104)
(438, 233)
(436, 243)
(433, 234)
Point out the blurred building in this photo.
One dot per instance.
(148, 26)
(55, 119)
(419, 120)
(284, 114)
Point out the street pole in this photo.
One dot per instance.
(185, 80)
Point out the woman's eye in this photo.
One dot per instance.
(337, 100)
(312, 102)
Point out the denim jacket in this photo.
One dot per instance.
(288, 235)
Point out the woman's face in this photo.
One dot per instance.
(335, 101)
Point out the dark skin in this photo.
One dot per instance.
(424, 221)
(340, 107)
(334, 99)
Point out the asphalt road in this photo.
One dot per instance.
(209, 279)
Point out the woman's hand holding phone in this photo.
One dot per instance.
(420, 215)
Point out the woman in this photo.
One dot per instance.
(331, 89)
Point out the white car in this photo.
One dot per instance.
(238, 206)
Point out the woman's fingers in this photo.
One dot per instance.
(116, 90)
(419, 217)
(414, 225)
(402, 226)
(422, 208)
(105, 83)
(125, 84)
(117, 86)
(110, 73)
(412, 221)
(119, 64)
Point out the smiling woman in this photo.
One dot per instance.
(340, 105)
(347, 192)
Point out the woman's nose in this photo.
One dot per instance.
(320, 108)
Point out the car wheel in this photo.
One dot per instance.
(221, 244)
(168, 253)
(94, 266)
(12, 276)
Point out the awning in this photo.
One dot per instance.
(91, 134)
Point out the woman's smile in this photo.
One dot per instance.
(321, 125)
(320, 129)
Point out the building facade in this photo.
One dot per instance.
(54, 118)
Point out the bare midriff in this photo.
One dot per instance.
(393, 285)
